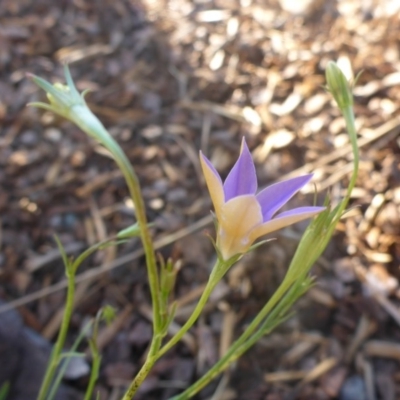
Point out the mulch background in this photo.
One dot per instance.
(170, 77)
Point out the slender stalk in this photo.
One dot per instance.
(94, 373)
(90, 124)
(136, 194)
(273, 313)
(234, 352)
(146, 368)
(218, 271)
(348, 115)
(155, 352)
(58, 346)
(71, 269)
(153, 277)
(64, 366)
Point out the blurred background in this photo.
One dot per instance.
(170, 77)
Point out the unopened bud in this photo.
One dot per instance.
(338, 86)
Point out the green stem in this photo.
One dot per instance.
(348, 115)
(217, 273)
(272, 314)
(58, 346)
(90, 124)
(136, 194)
(64, 366)
(155, 352)
(94, 373)
(146, 368)
(88, 252)
(234, 351)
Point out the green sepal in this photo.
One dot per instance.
(258, 244)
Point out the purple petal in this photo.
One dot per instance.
(242, 178)
(212, 168)
(300, 211)
(285, 219)
(273, 197)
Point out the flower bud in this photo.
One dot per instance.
(338, 86)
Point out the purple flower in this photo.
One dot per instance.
(243, 216)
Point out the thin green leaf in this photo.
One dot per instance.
(64, 256)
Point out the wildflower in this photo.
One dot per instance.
(242, 215)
